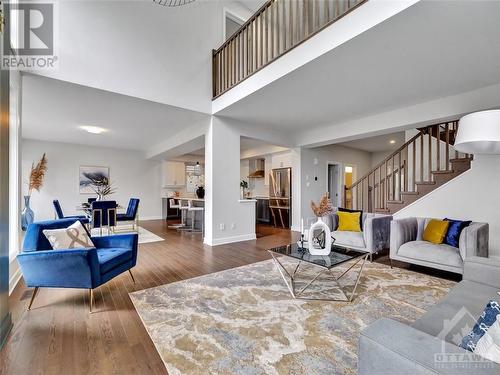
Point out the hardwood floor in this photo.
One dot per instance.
(59, 336)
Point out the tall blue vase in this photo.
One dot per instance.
(27, 215)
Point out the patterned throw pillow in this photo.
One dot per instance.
(485, 321)
(73, 237)
(488, 346)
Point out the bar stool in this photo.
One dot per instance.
(193, 210)
(177, 206)
(184, 206)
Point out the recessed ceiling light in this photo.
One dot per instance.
(392, 141)
(93, 129)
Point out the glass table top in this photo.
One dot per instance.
(337, 256)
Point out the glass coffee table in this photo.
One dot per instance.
(326, 264)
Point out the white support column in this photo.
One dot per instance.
(227, 218)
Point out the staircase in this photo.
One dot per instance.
(425, 162)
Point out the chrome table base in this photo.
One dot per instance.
(286, 275)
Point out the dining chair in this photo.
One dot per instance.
(132, 214)
(103, 215)
(59, 214)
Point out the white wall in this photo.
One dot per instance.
(473, 195)
(142, 49)
(377, 157)
(312, 189)
(130, 173)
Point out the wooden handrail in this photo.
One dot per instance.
(274, 29)
(384, 161)
(397, 174)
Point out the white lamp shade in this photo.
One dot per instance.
(479, 133)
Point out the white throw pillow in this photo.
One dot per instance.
(73, 237)
(488, 346)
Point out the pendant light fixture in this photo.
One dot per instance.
(197, 169)
(479, 133)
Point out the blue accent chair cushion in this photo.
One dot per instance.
(455, 227)
(485, 321)
(42, 266)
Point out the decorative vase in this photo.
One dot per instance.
(27, 214)
(320, 238)
(242, 193)
(200, 192)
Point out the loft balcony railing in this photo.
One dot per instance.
(276, 28)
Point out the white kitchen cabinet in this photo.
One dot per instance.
(174, 174)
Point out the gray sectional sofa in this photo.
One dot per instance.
(430, 345)
(407, 245)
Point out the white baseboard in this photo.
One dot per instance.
(14, 280)
(147, 218)
(295, 228)
(226, 240)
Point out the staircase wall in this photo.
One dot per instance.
(474, 195)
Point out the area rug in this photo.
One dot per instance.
(244, 321)
(145, 236)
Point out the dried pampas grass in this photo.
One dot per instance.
(323, 208)
(37, 175)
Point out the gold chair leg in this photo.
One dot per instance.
(91, 299)
(132, 276)
(33, 297)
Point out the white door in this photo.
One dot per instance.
(334, 183)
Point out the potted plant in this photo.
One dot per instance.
(243, 187)
(35, 182)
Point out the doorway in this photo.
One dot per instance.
(232, 23)
(334, 183)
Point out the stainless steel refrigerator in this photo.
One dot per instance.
(280, 197)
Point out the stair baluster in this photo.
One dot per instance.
(392, 184)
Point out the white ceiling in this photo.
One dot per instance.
(142, 49)
(379, 143)
(431, 50)
(246, 144)
(53, 110)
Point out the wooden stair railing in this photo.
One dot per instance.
(275, 29)
(425, 162)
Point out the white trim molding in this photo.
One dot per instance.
(226, 240)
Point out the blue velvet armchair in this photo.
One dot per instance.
(74, 268)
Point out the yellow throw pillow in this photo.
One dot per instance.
(435, 231)
(349, 221)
